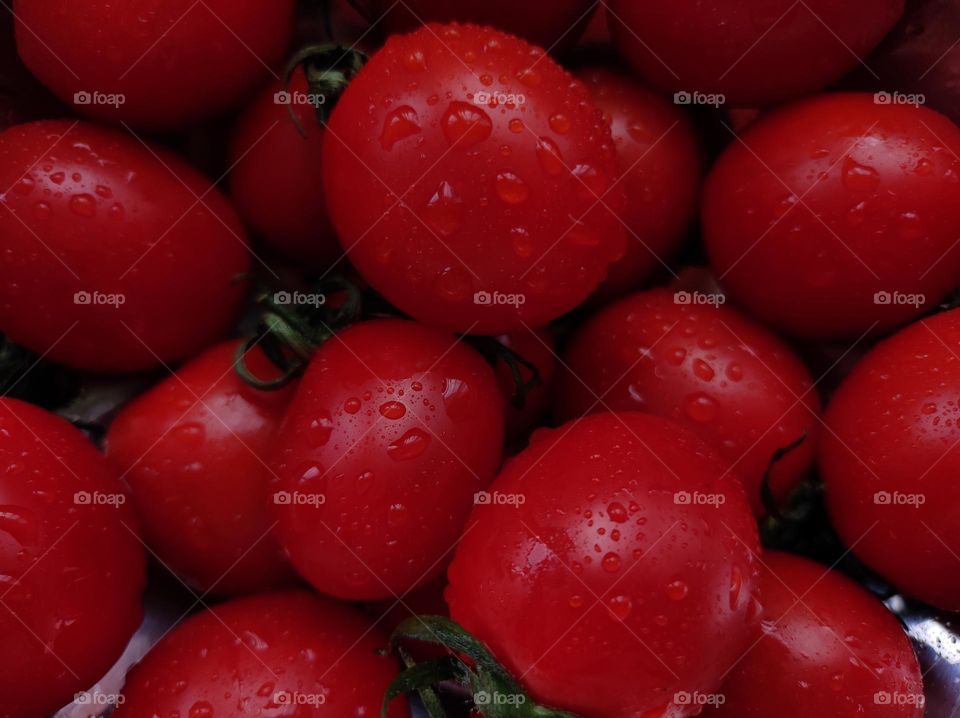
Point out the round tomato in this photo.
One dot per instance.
(750, 52)
(554, 26)
(71, 565)
(891, 455)
(194, 450)
(837, 215)
(276, 182)
(392, 431)
(274, 654)
(536, 347)
(114, 258)
(728, 379)
(660, 170)
(597, 575)
(466, 175)
(148, 64)
(827, 648)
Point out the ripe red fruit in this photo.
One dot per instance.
(152, 65)
(194, 450)
(394, 428)
(755, 52)
(828, 648)
(837, 215)
(71, 565)
(466, 175)
(291, 653)
(734, 383)
(597, 581)
(117, 257)
(890, 460)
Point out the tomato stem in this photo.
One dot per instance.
(329, 67)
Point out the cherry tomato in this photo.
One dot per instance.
(115, 259)
(276, 182)
(152, 65)
(660, 169)
(707, 366)
(22, 98)
(890, 459)
(827, 648)
(274, 654)
(466, 176)
(71, 565)
(599, 578)
(536, 347)
(393, 430)
(555, 28)
(752, 52)
(837, 215)
(194, 450)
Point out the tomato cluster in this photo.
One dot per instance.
(476, 359)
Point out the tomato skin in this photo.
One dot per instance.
(277, 183)
(237, 658)
(174, 62)
(396, 426)
(61, 557)
(537, 347)
(886, 208)
(892, 430)
(91, 210)
(527, 579)
(482, 209)
(193, 450)
(721, 375)
(661, 169)
(830, 653)
(767, 51)
(555, 28)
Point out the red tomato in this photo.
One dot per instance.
(754, 52)
(827, 648)
(837, 215)
(554, 26)
(71, 565)
(193, 450)
(538, 348)
(465, 172)
(597, 581)
(890, 460)
(393, 430)
(720, 374)
(276, 182)
(111, 262)
(274, 654)
(152, 65)
(660, 169)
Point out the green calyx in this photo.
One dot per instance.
(329, 68)
(495, 693)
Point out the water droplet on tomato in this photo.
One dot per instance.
(858, 177)
(393, 409)
(409, 446)
(444, 210)
(319, 430)
(511, 189)
(399, 124)
(352, 405)
(466, 125)
(453, 284)
(703, 370)
(548, 153)
(83, 205)
(677, 590)
(611, 562)
(515, 125)
(559, 123)
(620, 607)
(617, 512)
(700, 407)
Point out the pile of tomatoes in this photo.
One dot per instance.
(577, 358)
